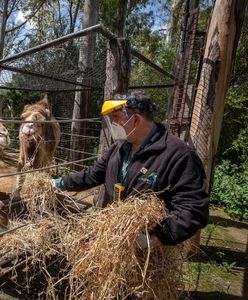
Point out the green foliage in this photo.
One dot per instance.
(16, 100)
(234, 136)
(239, 77)
(137, 17)
(228, 267)
(230, 188)
(206, 9)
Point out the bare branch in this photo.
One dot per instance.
(30, 17)
(70, 14)
(11, 9)
(74, 17)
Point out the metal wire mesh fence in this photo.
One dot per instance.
(56, 68)
(60, 69)
(187, 65)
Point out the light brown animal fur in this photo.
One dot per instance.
(38, 141)
(4, 137)
(4, 221)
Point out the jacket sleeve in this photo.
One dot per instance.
(90, 177)
(188, 202)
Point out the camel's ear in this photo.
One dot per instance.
(45, 99)
(26, 107)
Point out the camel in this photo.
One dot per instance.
(38, 141)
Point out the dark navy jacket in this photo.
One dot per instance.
(166, 162)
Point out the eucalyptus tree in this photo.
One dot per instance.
(15, 17)
(85, 63)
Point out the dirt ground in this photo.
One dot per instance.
(220, 272)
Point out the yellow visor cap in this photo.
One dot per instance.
(112, 105)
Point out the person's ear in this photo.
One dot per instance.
(137, 119)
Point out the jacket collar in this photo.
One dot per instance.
(158, 141)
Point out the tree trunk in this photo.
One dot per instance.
(118, 71)
(174, 20)
(3, 26)
(121, 18)
(82, 98)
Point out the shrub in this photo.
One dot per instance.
(230, 188)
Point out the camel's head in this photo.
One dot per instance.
(34, 114)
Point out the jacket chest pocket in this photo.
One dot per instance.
(148, 181)
(141, 177)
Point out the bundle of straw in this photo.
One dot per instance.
(39, 195)
(106, 262)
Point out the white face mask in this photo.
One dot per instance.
(118, 132)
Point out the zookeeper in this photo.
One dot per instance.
(146, 157)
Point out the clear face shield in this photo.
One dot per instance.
(118, 123)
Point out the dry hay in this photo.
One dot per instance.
(106, 262)
(28, 251)
(103, 258)
(39, 195)
(31, 238)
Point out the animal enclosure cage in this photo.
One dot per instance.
(72, 64)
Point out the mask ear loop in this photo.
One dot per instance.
(131, 132)
(132, 129)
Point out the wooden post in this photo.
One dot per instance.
(118, 70)
(220, 51)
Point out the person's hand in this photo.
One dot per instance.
(143, 241)
(146, 241)
(58, 184)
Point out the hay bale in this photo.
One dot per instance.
(106, 262)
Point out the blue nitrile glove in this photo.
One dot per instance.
(58, 183)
